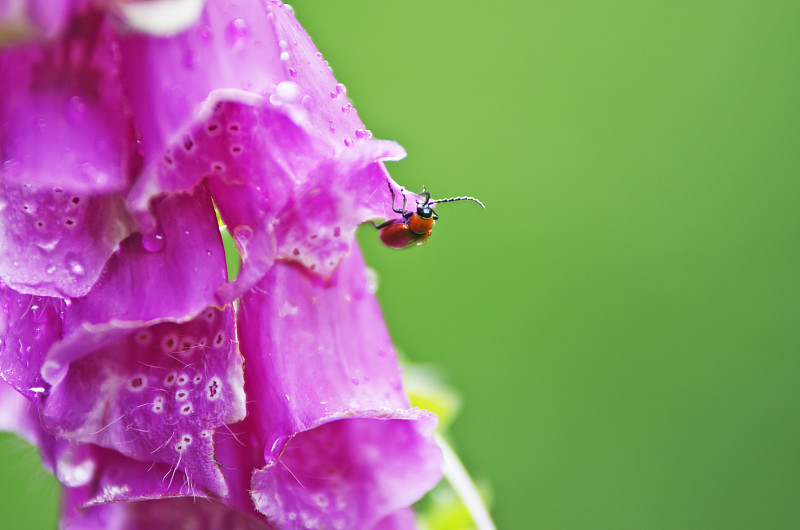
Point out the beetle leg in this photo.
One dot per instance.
(395, 210)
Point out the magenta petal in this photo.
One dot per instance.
(29, 326)
(250, 46)
(340, 442)
(67, 152)
(318, 227)
(163, 514)
(349, 473)
(54, 243)
(156, 394)
(172, 273)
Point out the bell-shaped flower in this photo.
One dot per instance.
(125, 127)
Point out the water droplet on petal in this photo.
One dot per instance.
(348, 142)
(242, 234)
(76, 268)
(76, 110)
(237, 31)
(153, 242)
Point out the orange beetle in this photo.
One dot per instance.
(414, 227)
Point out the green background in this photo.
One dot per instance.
(622, 320)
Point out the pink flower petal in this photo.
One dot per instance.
(164, 514)
(29, 326)
(341, 444)
(156, 395)
(68, 152)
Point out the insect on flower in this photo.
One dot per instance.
(413, 227)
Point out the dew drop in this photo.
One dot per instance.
(153, 242)
(341, 89)
(76, 268)
(237, 31)
(76, 110)
(242, 234)
(361, 134)
(292, 72)
(348, 142)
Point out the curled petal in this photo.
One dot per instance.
(349, 473)
(341, 444)
(163, 514)
(156, 394)
(172, 273)
(29, 326)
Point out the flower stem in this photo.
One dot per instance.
(459, 479)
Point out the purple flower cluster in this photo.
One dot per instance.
(129, 359)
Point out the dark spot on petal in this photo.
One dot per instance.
(213, 389)
(336, 232)
(188, 143)
(212, 127)
(236, 148)
(69, 222)
(168, 160)
(76, 200)
(296, 252)
(136, 382)
(233, 127)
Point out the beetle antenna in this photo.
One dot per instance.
(434, 202)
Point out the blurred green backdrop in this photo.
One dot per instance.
(623, 320)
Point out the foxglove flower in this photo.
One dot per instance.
(139, 371)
